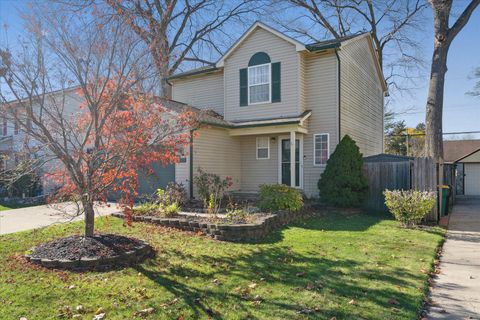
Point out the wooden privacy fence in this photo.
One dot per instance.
(382, 176)
(415, 173)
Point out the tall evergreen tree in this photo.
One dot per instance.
(343, 183)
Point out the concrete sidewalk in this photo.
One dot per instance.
(456, 292)
(22, 219)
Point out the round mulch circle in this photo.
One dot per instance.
(100, 252)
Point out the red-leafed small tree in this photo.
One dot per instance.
(136, 132)
(94, 138)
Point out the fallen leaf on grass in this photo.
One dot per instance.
(305, 311)
(144, 312)
(99, 316)
(352, 302)
(169, 303)
(252, 285)
(99, 310)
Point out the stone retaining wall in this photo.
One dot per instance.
(140, 253)
(227, 232)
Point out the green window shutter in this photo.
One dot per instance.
(276, 82)
(243, 87)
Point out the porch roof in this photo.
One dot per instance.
(266, 125)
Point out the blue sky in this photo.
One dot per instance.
(461, 112)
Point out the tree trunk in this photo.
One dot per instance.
(434, 117)
(89, 215)
(165, 87)
(433, 121)
(161, 55)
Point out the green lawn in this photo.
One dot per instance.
(347, 266)
(4, 208)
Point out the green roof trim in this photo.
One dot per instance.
(319, 46)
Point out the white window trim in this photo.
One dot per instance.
(315, 149)
(268, 149)
(259, 84)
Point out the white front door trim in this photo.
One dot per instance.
(279, 147)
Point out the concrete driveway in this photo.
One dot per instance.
(456, 292)
(41, 216)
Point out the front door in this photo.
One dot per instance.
(285, 162)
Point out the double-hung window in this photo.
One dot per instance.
(321, 146)
(259, 84)
(263, 148)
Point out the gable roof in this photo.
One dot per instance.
(298, 45)
(312, 47)
(455, 150)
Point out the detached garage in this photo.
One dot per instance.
(471, 173)
(464, 157)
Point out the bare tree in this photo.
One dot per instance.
(389, 22)
(444, 35)
(178, 32)
(475, 92)
(74, 93)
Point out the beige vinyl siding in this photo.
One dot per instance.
(361, 97)
(301, 81)
(321, 96)
(204, 91)
(279, 50)
(182, 174)
(217, 152)
(256, 172)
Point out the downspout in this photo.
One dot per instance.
(190, 181)
(339, 95)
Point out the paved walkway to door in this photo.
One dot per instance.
(22, 219)
(456, 292)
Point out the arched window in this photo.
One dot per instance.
(259, 58)
(260, 82)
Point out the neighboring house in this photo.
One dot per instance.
(465, 155)
(15, 144)
(10, 144)
(283, 107)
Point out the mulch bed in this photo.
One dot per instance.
(101, 251)
(77, 247)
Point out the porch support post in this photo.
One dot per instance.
(292, 158)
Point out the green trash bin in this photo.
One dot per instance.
(445, 191)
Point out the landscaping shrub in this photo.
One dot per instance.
(146, 208)
(211, 189)
(343, 183)
(173, 193)
(170, 210)
(411, 206)
(274, 197)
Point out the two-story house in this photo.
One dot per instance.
(284, 107)
(10, 143)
